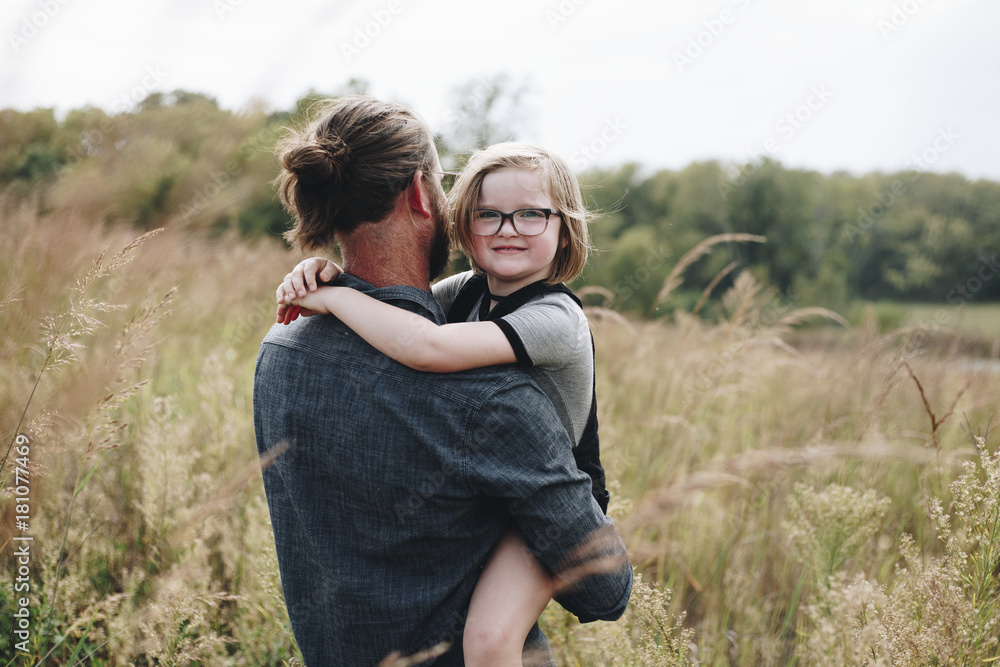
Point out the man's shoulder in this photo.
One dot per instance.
(313, 334)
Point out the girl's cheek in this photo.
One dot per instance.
(478, 249)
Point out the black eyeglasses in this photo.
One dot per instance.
(526, 221)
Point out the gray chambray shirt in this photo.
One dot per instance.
(396, 484)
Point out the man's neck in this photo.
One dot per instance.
(382, 276)
(392, 255)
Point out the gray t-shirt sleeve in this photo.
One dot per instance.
(446, 289)
(548, 332)
(550, 336)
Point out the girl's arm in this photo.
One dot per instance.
(409, 338)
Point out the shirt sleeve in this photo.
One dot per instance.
(548, 332)
(519, 452)
(446, 289)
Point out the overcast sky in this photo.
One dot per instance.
(859, 85)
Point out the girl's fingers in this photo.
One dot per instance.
(287, 313)
(309, 272)
(289, 287)
(298, 284)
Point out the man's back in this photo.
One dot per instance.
(396, 484)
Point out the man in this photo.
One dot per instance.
(396, 484)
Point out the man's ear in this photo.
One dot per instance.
(417, 197)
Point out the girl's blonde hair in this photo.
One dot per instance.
(562, 188)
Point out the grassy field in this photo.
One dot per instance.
(783, 502)
(977, 319)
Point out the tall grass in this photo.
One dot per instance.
(783, 503)
(150, 535)
(770, 484)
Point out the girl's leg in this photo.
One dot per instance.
(511, 593)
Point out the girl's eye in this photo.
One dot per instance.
(532, 213)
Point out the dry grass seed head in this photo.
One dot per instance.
(674, 279)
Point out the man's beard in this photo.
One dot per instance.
(440, 250)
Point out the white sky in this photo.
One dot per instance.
(603, 73)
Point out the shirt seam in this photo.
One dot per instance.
(473, 422)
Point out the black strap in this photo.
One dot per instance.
(466, 299)
(588, 452)
(475, 289)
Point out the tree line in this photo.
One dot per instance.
(178, 159)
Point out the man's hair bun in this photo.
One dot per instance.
(316, 163)
(348, 166)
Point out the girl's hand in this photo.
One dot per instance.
(303, 278)
(316, 302)
(300, 281)
(288, 313)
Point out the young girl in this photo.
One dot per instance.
(519, 216)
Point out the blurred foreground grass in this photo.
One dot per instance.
(816, 504)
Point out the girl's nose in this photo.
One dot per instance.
(511, 230)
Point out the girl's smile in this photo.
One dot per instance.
(509, 259)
